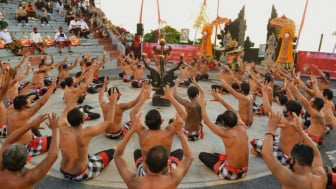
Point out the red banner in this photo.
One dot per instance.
(189, 51)
(325, 61)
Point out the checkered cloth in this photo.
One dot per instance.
(225, 171)
(174, 161)
(119, 135)
(94, 168)
(194, 135)
(3, 130)
(37, 146)
(283, 158)
(258, 109)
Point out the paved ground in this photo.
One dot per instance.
(198, 176)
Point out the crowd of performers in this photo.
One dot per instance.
(289, 147)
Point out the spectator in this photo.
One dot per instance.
(44, 17)
(69, 16)
(49, 6)
(62, 40)
(9, 42)
(30, 10)
(21, 14)
(84, 29)
(37, 42)
(60, 7)
(74, 26)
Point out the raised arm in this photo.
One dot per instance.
(93, 131)
(74, 64)
(179, 108)
(21, 62)
(323, 76)
(216, 97)
(283, 174)
(231, 90)
(213, 127)
(43, 100)
(296, 93)
(126, 173)
(102, 92)
(317, 165)
(183, 167)
(38, 172)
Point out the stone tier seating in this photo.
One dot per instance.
(94, 45)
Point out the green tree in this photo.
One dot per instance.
(271, 29)
(238, 27)
(170, 34)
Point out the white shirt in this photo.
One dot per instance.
(74, 24)
(35, 37)
(60, 38)
(6, 36)
(84, 26)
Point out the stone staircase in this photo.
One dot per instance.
(95, 44)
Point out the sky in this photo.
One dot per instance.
(320, 17)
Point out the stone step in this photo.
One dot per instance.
(110, 47)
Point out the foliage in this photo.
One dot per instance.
(270, 29)
(238, 27)
(170, 34)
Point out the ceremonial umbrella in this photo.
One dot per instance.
(218, 21)
(281, 22)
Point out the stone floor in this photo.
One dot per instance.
(199, 176)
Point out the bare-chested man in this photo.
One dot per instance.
(13, 157)
(288, 137)
(193, 128)
(245, 106)
(154, 135)
(64, 69)
(118, 129)
(95, 68)
(138, 75)
(324, 82)
(306, 164)
(19, 115)
(156, 163)
(328, 96)
(314, 106)
(127, 64)
(76, 164)
(6, 74)
(203, 68)
(14, 86)
(230, 128)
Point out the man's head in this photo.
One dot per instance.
(110, 90)
(68, 81)
(317, 103)
(153, 119)
(75, 117)
(227, 119)
(192, 92)
(157, 159)
(268, 78)
(14, 157)
(302, 154)
(35, 30)
(327, 93)
(292, 106)
(245, 88)
(20, 101)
